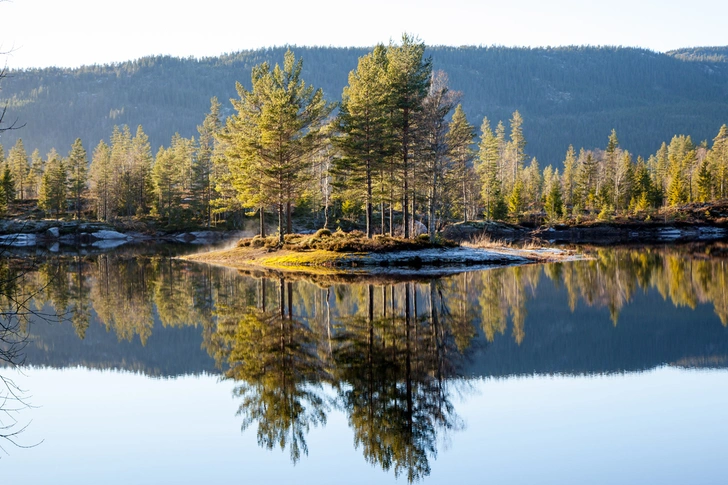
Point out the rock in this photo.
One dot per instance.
(209, 235)
(184, 237)
(109, 243)
(55, 247)
(18, 240)
(53, 233)
(419, 228)
(107, 234)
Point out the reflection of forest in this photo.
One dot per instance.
(388, 362)
(128, 295)
(390, 352)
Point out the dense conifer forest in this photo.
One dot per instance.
(621, 132)
(568, 95)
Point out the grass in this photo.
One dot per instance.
(343, 242)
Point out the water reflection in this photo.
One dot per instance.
(394, 353)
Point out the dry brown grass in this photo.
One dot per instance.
(343, 242)
(484, 241)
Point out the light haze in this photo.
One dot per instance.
(70, 33)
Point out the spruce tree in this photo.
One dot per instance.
(488, 156)
(140, 186)
(37, 167)
(719, 159)
(18, 163)
(516, 201)
(8, 185)
(203, 169)
(52, 196)
(554, 204)
(568, 179)
(515, 150)
(102, 179)
(77, 175)
(705, 181)
(460, 137)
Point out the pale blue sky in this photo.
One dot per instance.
(75, 32)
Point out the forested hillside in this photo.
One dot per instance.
(568, 95)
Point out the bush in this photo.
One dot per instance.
(322, 233)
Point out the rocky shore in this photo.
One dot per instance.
(55, 234)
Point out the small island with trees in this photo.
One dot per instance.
(396, 161)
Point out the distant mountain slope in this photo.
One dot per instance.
(567, 95)
(702, 54)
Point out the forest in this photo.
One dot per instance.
(396, 155)
(569, 95)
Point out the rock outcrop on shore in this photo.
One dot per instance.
(53, 234)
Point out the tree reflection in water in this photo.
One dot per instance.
(389, 368)
(390, 353)
(272, 357)
(14, 314)
(391, 371)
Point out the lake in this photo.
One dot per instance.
(147, 369)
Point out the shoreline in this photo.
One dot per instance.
(425, 262)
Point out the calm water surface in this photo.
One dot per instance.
(151, 370)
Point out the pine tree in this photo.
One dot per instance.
(77, 175)
(274, 135)
(364, 123)
(408, 77)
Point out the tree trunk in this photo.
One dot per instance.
(262, 221)
(281, 230)
(405, 162)
(370, 228)
(465, 200)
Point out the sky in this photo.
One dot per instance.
(70, 33)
